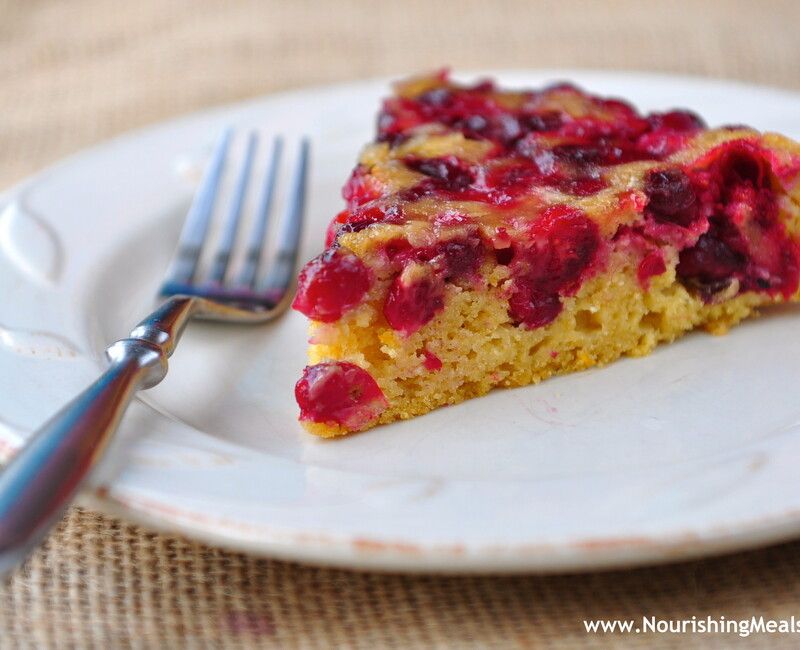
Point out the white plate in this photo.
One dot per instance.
(690, 451)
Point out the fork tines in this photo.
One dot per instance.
(220, 282)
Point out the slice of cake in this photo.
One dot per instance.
(496, 238)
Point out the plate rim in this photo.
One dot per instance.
(386, 555)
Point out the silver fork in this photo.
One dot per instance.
(42, 478)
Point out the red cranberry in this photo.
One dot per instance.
(580, 186)
(424, 188)
(339, 392)
(680, 120)
(467, 104)
(361, 187)
(448, 172)
(355, 219)
(461, 257)
(431, 362)
(709, 261)
(504, 255)
(617, 152)
(563, 86)
(733, 162)
(484, 86)
(572, 244)
(399, 250)
(598, 151)
(452, 259)
(334, 226)
(565, 246)
(506, 182)
(578, 168)
(660, 144)
(625, 119)
(377, 211)
(651, 265)
(671, 196)
(543, 159)
(531, 306)
(399, 115)
(741, 167)
(344, 222)
(472, 125)
(437, 97)
(503, 128)
(592, 129)
(330, 285)
(537, 122)
(414, 298)
(580, 155)
(746, 240)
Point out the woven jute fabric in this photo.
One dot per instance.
(77, 71)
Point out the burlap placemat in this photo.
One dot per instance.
(72, 73)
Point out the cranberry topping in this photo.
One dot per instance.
(611, 128)
(721, 212)
(414, 298)
(569, 169)
(330, 285)
(745, 240)
(339, 392)
(671, 197)
(565, 245)
(431, 362)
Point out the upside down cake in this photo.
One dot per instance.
(496, 238)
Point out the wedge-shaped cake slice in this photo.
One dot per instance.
(496, 238)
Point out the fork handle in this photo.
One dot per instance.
(42, 478)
